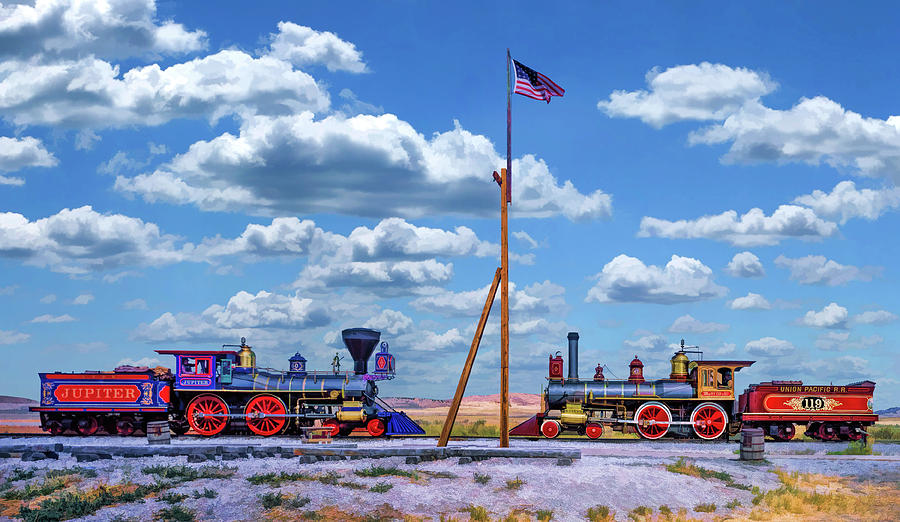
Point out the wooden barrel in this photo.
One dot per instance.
(158, 432)
(752, 444)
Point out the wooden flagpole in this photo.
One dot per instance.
(505, 200)
(504, 317)
(464, 377)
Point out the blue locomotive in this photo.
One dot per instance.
(218, 391)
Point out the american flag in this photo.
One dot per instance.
(534, 84)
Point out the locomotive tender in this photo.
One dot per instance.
(697, 399)
(214, 391)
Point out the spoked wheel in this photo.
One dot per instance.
(259, 413)
(199, 413)
(593, 430)
(550, 429)
(334, 425)
(86, 426)
(653, 419)
(827, 432)
(55, 428)
(785, 432)
(179, 426)
(709, 420)
(125, 426)
(856, 432)
(376, 427)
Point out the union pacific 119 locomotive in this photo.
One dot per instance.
(697, 399)
(216, 391)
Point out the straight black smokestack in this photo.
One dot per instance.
(573, 355)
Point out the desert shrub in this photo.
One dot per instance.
(514, 484)
(855, 448)
(884, 431)
(381, 487)
(82, 503)
(329, 478)
(31, 491)
(379, 471)
(665, 511)
(599, 514)
(685, 467)
(20, 474)
(297, 502)
(311, 515)
(544, 515)
(172, 498)
(640, 513)
(175, 514)
(76, 470)
(482, 478)
(271, 500)
(705, 508)
(206, 493)
(477, 513)
(178, 474)
(277, 479)
(733, 504)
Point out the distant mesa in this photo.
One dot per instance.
(890, 412)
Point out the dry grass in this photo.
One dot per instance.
(804, 496)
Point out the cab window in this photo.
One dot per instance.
(195, 365)
(707, 377)
(724, 376)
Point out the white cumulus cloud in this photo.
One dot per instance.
(832, 316)
(875, 317)
(846, 201)
(819, 270)
(303, 45)
(114, 29)
(83, 299)
(745, 264)
(841, 341)
(689, 92)
(13, 337)
(47, 318)
(375, 166)
(20, 153)
(751, 229)
(628, 279)
(687, 324)
(750, 301)
(770, 346)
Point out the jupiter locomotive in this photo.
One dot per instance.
(219, 391)
(698, 399)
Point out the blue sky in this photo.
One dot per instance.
(181, 175)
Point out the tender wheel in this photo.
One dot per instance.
(179, 426)
(593, 430)
(125, 426)
(653, 419)
(550, 429)
(334, 425)
(376, 427)
(55, 428)
(207, 405)
(709, 420)
(87, 426)
(257, 413)
(827, 432)
(784, 432)
(856, 432)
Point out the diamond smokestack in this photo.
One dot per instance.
(361, 343)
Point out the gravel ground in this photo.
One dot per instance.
(630, 475)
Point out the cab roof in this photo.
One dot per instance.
(196, 352)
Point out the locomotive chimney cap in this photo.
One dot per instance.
(573, 336)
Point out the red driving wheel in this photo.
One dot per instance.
(709, 421)
(827, 432)
(375, 427)
(199, 413)
(259, 413)
(652, 420)
(550, 429)
(87, 426)
(593, 430)
(334, 425)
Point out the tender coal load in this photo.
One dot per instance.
(361, 343)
